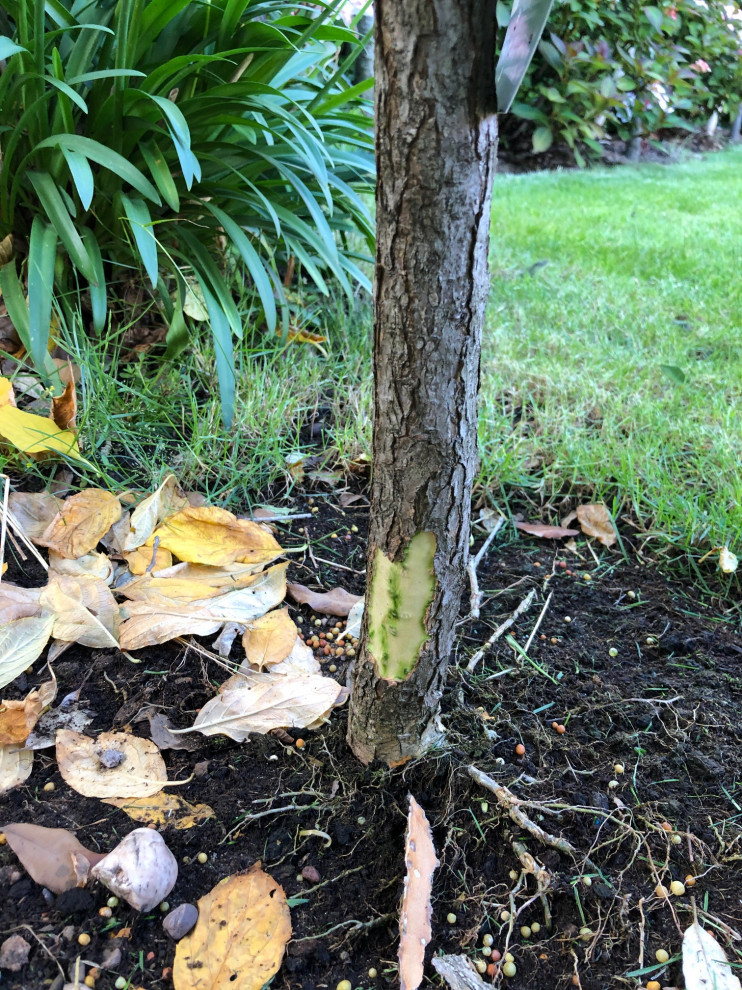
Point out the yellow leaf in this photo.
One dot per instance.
(21, 642)
(15, 766)
(152, 511)
(81, 522)
(140, 560)
(240, 937)
(163, 809)
(84, 610)
(208, 535)
(33, 434)
(92, 564)
(114, 764)
(269, 639)
(17, 718)
(64, 407)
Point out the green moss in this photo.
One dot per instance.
(401, 594)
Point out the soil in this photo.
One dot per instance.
(643, 783)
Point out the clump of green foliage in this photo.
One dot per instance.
(201, 144)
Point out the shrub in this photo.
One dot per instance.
(194, 141)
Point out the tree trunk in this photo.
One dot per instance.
(436, 149)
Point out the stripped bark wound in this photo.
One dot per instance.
(436, 152)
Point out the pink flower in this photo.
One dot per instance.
(701, 65)
(672, 13)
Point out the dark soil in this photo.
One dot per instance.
(666, 707)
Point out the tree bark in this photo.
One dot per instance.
(436, 148)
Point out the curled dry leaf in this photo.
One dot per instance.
(141, 869)
(64, 407)
(705, 965)
(84, 610)
(301, 660)
(31, 433)
(190, 582)
(18, 718)
(355, 618)
(260, 702)
(270, 638)
(81, 522)
(115, 764)
(21, 642)
(34, 511)
(152, 511)
(163, 738)
(53, 857)
(546, 532)
(415, 914)
(239, 940)
(209, 535)
(92, 564)
(16, 764)
(157, 620)
(18, 603)
(595, 520)
(163, 809)
(337, 601)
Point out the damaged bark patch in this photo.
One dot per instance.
(400, 596)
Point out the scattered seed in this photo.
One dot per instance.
(504, 916)
(575, 980)
(535, 927)
(662, 956)
(89, 981)
(618, 768)
(586, 934)
(676, 839)
(612, 785)
(661, 890)
(631, 594)
(164, 907)
(491, 970)
(481, 966)
(509, 957)
(690, 881)
(50, 786)
(567, 618)
(587, 881)
(496, 955)
(513, 874)
(654, 985)
(351, 652)
(451, 918)
(554, 640)
(83, 938)
(666, 826)
(561, 729)
(300, 744)
(318, 622)
(202, 857)
(677, 888)
(120, 983)
(520, 750)
(525, 931)
(487, 940)
(332, 668)
(485, 807)
(587, 577)
(536, 564)
(344, 985)
(3, 838)
(105, 912)
(354, 529)
(509, 969)
(613, 652)
(372, 973)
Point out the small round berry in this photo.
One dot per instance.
(525, 931)
(520, 750)
(372, 973)
(487, 940)
(344, 985)
(509, 969)
(83, 938)
(50, 786)
(451, 918)
(535, 927)
(662, 956)
(690, 881)
(300, 744)
(677, 888)
(202, 857)
(509, 957)
(613, 652)
(112, 902)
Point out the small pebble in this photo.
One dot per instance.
(451, 918)
(180, 920)
(311, 873)
(49, 786)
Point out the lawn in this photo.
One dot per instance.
(612, 358)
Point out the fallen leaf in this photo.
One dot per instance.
(149, 622)
(31, 433)
(34, 511)
(84, 610)
(21, 643)
(229, 633)
(115, 764)
(416, 911)
(705, 965)
(113, 539)
(16, 764)
(64, 407)
(14, 953)
(143, 560)
(337, 601)
(260, 702)
(81, 522)
(269, 639)
(301, 660)
(295, 463)
(546, 532)
(190, 582)
(209, 535)
(6, 249)
(93, 564)
(44, 735)
(18, 603)
(152, 511)
(18, 718)
(163, 738)
(194, 304)
(239, 940)
(348, 498)
(355, 617)
(53, 857)
(595, 520)
(163, 809)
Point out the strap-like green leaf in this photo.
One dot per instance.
(99, 153)
(141, 227)
(160, 172)
(82, 176)
(98, 294)
(223, 349)
(527, 20)
(42, 251)
(15, 303)
(57, 213)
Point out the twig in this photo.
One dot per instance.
(342, 567)
(18, 529)
(475, 601)
(263, 814)
(354, 924)
(538, 622)
(523, 607)
(262, 519)
(507, 800)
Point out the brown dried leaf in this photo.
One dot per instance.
(260, 702)
(152, 511)
(416, 911)
(115, 764)
(269, 639)
(301, 660)
(240, 937)
(337, 601)
(163, 809)
(84, 610)
(34, 511)
(52, 856)
(93, 564)
(64, 407)
(546, 532)
(81, 522)
(18, 603)
(209, 535)
(163, 738)
(18, 718)
(595, 520)
(16, 764)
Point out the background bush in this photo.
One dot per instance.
(203, 145)
(624, 69)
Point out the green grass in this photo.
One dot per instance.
(612, 364)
